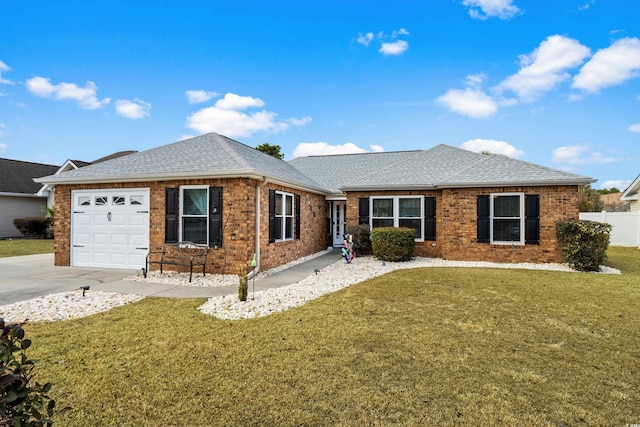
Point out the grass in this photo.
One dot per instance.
(441, 346)
(17, 247)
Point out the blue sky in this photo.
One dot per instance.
(554, 82)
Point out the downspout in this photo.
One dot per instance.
(256, 270)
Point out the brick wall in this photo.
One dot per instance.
(238, 219)
(430, 249)
(313, 235)
(456, 228)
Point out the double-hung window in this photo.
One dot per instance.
(194, 219)
(507, 218)
(284, 216)
(398, 211)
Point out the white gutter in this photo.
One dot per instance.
(256, 270)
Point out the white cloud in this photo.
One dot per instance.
(469, 102)
(86, 97)
(299, 122)
(231, 101)
(394, 48)
(483, 9)
(620, 184)
(635, 128)
(3, 148)
(4, 67)
(306, 149)
(199, 96)
(136, 109)
(547, 66)
(587, 5)
(225, 117)
(610, 66)
(579, 154)
(493, 146)
(389, 44)
(365, 39)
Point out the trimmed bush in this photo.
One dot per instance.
(584, 243)
(393, 244)
(22, 403)
(33, 226)
(361, 235)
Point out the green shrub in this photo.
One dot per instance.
(361, 235)
(21, 402)
(33, 226)
(393, 244)
(584, 243)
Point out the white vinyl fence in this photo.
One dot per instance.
(626, 226)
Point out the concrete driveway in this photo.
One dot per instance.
(25, 277)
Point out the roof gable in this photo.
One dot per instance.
(17, 176)
(210, 155)
(631, 193)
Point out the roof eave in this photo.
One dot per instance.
(109, 179)
(543, 183)
(30, 195)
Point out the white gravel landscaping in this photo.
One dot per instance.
(64, 305)
(335, 277)
(71, 305)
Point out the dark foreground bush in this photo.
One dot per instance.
(361, 235)
(393, 244)
(33, 226)
(22, 403)
(584, 243)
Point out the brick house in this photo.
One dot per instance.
(214, 190)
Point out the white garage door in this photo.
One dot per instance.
(110, 228)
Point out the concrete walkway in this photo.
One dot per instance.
(26, 277)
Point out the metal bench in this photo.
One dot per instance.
(184, 253)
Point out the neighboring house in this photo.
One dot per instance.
(214, 190)
(632, 195)
(19, 194)
(69, 165)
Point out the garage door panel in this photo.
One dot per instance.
(108, 226)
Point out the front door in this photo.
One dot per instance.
(338, 223)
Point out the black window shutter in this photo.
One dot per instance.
(484, 219)
(532, 219)
(215, 216)
(171, 215)
(272, 216)
(363, 210)
(430, 218)
(297, 213)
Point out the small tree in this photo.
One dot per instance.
(272, 150)
(589, 199)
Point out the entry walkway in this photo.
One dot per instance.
(26, 277)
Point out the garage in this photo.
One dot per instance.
(110, 228)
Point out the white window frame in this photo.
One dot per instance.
(396, 212)
(283, 216)
(181, 209)
(521, 218)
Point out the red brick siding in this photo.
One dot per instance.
(313, 236)
(456, 223)
(238, 217)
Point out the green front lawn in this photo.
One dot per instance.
(441, 346)
(17, 247)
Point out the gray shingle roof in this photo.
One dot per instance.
(439, 167)
(214, 155)
(209, 155)
(17, 176)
